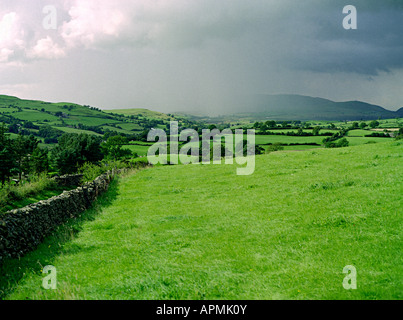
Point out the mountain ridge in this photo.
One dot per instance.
(300, 107)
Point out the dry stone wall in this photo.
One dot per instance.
(22, 230)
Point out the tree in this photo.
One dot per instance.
(39, 160)
(6, 155)
(374, 124)
(363, 125)
(300, 132)
(339, 144)
(264, 128)
(48, 132)
(211, 127)
(23, 147)
(271, 124)
(257, 125)
(112, 148)
(342, 143)
(316, 131)
(275, 147)
(74, 150)
(249, 149)
(30, 125)
(355, 125)
(399, 134)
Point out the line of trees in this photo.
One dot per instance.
(21, 155)
(24, 156)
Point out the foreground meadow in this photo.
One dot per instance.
(202, 232)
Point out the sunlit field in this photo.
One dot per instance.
(202, 232)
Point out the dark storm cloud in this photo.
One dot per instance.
(311, 37)
(298, 34)
(377, 44)
(183, 54)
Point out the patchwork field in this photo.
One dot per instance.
(202, 232)
(74, 118)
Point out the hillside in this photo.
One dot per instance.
(64, 117)
(202, 232)
(138, 112)
(306, 108)
(297, 107)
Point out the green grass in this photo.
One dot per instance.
(140, 150)
(77, 131)
(7, 110)
(39, 188)
(299, 148)
(285, 131)
(117, 129)
(31, 115)
(130, 126)
(141, 112)
(287, 139)
(42, 195)
(89, 121)
(358, 133)
(202, 232)
(356, 141)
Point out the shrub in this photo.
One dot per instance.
(275, 147)
(37, 184)
(337, 144)
(90, 171)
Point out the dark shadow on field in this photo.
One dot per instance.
(13, 270)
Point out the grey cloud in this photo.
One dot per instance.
(196, 54)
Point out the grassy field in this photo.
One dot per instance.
(356, 141)
(287, 139)
(358, 133)
(285, 131)
(140, 113)
(297, 148)
(77, 131)
(140, 150)
(202, 232)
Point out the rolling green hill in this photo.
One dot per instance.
(73, 118)
(145, 113)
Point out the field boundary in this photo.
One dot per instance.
(22, 230)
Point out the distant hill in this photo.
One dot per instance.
(297, 107)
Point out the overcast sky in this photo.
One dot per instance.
(188, 55)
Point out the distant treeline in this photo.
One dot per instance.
(23, 155)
